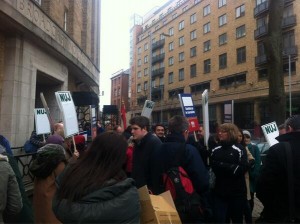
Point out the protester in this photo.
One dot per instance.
(129, 155)
(144, 143)
(26, 214)
(10, 196)
(255, 169)
(95, 189)
(37, 140)
(50, 161)
(272, 187)
(281, 129)
(127, 132)
(118, 129)
(189, 160)
(5, 143)
(100, 129)
(229, 164)
(159, 131)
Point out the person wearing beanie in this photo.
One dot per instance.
(272, 186)
(50, 161)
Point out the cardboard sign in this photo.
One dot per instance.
(147, 109)
(66, 105)
(157, 208)
(205, 116)
(270, 131)
(42, 124)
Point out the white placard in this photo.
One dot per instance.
(270, 131)
(42, 124)
(66, 105)
(205, 116)
(147, 109)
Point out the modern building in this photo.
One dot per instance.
(45, 46)
(188, 46)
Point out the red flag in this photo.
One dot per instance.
(123, 114)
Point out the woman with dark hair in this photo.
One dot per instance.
(229, 163)
(95, 189)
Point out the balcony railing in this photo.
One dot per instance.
(158, 58)
(158, 72)
(261, 31)
(158, 44)
(292, 50)
(289, 21)
(261, 8)
(261, 59)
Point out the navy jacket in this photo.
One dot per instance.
(141, 161)
(191, 162)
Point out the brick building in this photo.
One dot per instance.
(45, 46)
(119, 89)
(192, 45)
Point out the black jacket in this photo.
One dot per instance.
(272, 187)
(118, 202)
(141, 161)
(229, 163)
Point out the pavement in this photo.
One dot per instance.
(258, 207)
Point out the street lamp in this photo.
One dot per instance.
(290, 87)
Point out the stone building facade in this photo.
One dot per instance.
(188, 46)
(45, 46)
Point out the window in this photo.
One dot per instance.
(181, 74)
(184, 8)
(139, 88)
(199, 88)
(139, 50)
(222, 61)
(241, 55)
(146, 46)
(222, 39)
(258, 2)
(206, 27)
(240, 11)
(115, 92)
(139, 62)
(222, 3)
(206, 66)
(145, 85)
(193, 18)
(222, 20)
(193, 35)
(261, 22)
(181, 40)
(288, 40)
(146, 71)
(233, 80)
(171, 46)
(197, 1)
(171, 31)
(206, 10)
(181, 25)
(139, 74)
(174, 15)
(193, 51)
(206, 46)
(262, 74)
(193, 70)
(146, 59)
(181, 56)
(241, 31)
(171, 61)
(171, 77)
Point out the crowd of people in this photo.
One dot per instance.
(98, 183)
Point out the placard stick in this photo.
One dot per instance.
(75, 149)
(195, 136)
(44, 139)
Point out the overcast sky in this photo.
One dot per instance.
(114, 46)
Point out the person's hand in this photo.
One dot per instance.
(76, 154)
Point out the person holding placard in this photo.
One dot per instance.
(279, 194)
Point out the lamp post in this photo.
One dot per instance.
(161, 99)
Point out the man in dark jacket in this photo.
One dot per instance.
(190, 159)
(272, 186)
(144, 145)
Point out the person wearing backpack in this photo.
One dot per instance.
(183, 160)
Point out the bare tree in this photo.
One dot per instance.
(274, 51)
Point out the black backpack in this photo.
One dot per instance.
(187, 201)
